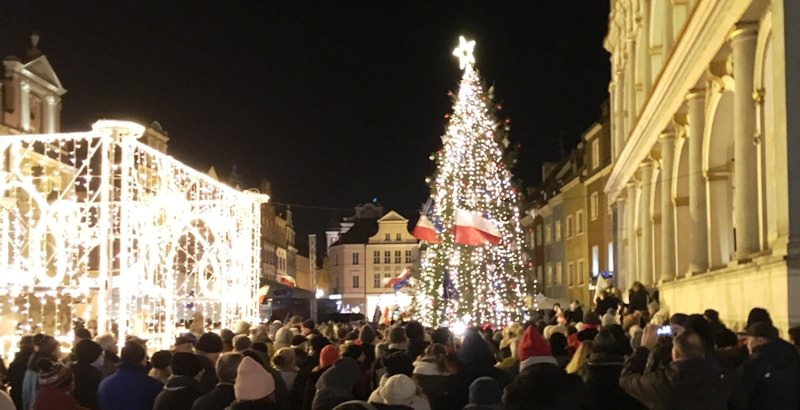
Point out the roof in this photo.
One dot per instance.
(361, 231)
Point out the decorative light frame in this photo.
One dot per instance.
(105, 228)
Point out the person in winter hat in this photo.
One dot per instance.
(223, 394)
(283, 338)
(129, 388)
(17, 368)
(336, 384)
(86, 368)
(533, 349)
(45, 347)
(254, 387)
(328, 356)
(283, 361)
(227, 336)
(242, 328)
(273, 328)
(241, 343)
(183, 387)
(485, 394)
(208, 349)
(160, 365)
(400, 390)
(55, 387)
(539, 372)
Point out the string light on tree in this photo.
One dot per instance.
(468, 283)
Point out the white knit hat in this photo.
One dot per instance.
(253, 382)
(398, 390)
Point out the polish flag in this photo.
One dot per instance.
(428, 227)
(472, 228)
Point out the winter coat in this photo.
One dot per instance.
(545, 386)
(311, 387)
(54, 398)
(771, 376)
(87, 381)
(336, 384)
(475, 359)
(683, 384)
(608, 302)
(179, 393)
(129, 388)
(297, 394)
(30, 387)
(601, 377)
(574, 316)
(218, 399)
(433, 382)
(253, 405)
(639, 300)
(288, 378)
(209, 378)
(381, 406)
(110, 363)
(416, 348)
(16, 374)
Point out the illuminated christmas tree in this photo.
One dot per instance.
(472, 270)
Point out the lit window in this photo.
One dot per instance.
(558, 230)
(559, 273)
(579, 222)
(376, 282)
(569, 226)
(548, 233)
(387, 276)
(593, 206)
(595, 154)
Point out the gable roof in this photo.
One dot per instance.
(392, 216)
(361, 231)
(40, 67)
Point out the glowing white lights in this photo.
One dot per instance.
(464, 52)
(488, 285)
(100, 227)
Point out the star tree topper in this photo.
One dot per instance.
(464, 52)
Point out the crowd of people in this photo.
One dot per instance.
(614, 356)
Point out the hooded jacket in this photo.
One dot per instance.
(129, 388)
(475, 359)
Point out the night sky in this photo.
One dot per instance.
(336, 103)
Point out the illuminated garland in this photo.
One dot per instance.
(488, 285)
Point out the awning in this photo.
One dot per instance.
(273, 290)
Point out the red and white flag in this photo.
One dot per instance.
(472, 228)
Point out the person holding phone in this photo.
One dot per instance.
(690, 381)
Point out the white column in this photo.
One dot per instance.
(619, 114)
(620, 251)
(25, 106)
(633, 109)
(630, 234)
(667, 207)
(50, 121)
(745, 195)
(646, 221)
(698, 232)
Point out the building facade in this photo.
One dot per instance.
(705, 109)
(390, 253)
(575, 272)
(373, 249)
(599, 232)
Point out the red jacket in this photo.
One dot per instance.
(54, 398)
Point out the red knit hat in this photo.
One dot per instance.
(532, 344)
(328, 355)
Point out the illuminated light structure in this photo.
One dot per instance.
(100, 227)
(467, 285)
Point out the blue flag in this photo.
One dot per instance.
(450, 291)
